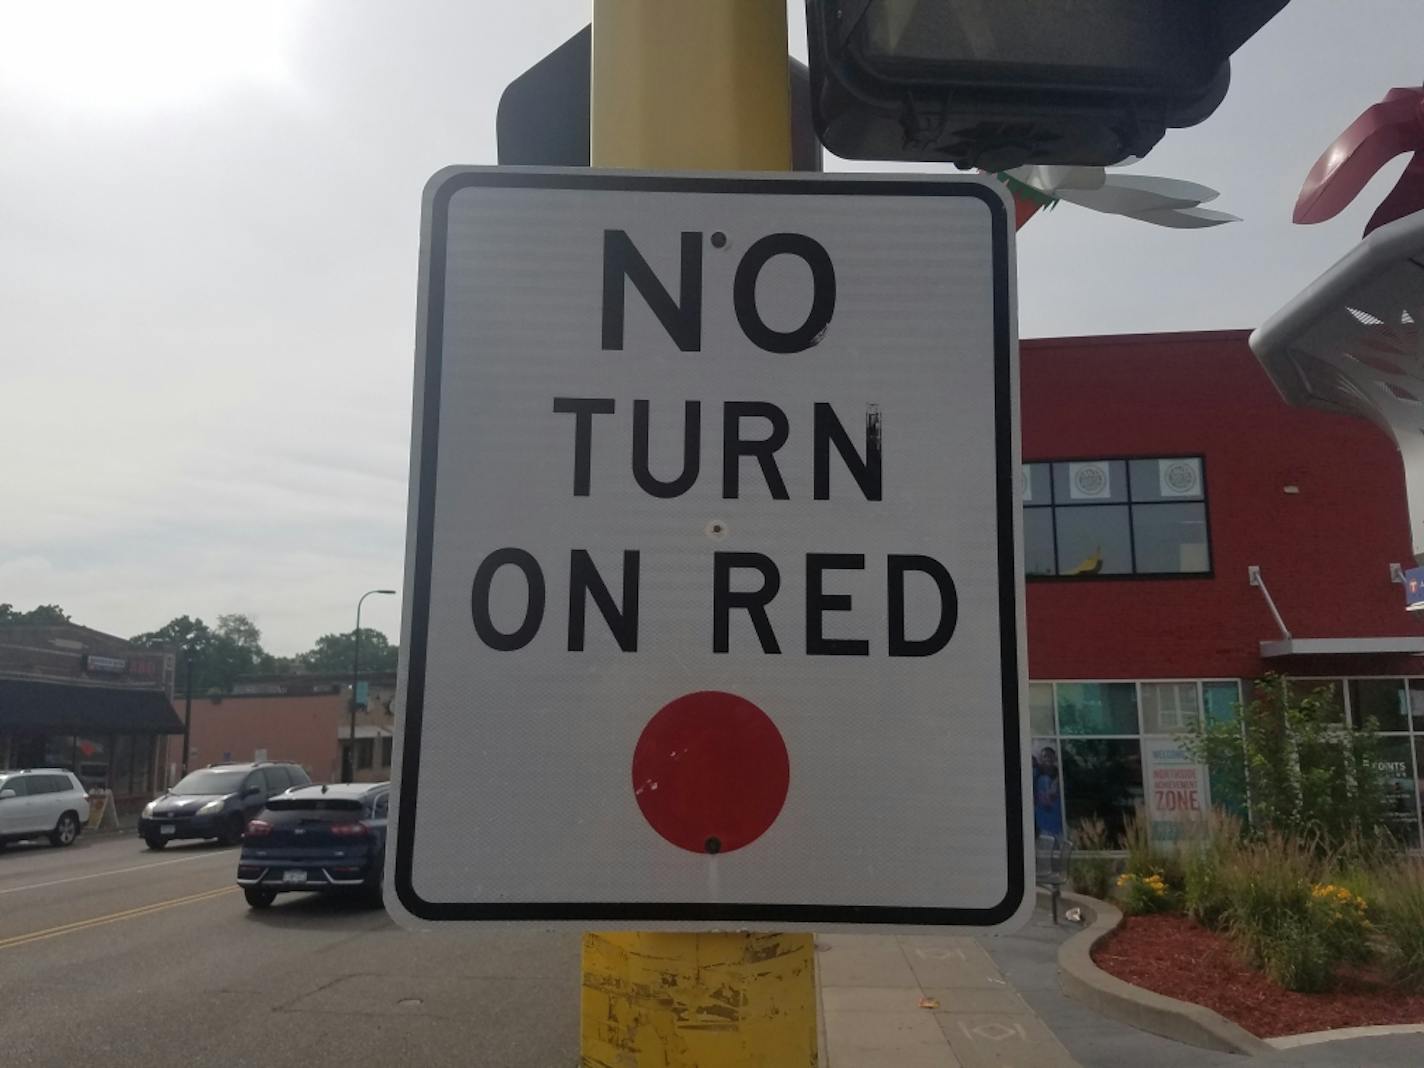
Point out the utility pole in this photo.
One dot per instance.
(692, 85)
(187, 701)
(350, 762)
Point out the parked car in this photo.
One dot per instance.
(215, 802)
(326, 838)
(42, 803)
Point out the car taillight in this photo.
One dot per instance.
(258, 828)
(348, 830)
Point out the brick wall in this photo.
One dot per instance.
(1324, 551)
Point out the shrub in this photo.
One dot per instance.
(1143, 894)
(1091, 875)
(1341, 916)
(1205, 890)
(1145, 857)
(1399, 906)
(1294, 954)
(1286, 917)
(1304, 772)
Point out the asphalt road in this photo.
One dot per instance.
(114, 955)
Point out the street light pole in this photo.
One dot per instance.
(350, 762)
(187, 702)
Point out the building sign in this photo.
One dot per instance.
(714, 601)
(1178, 797)
(1414, 589)
(105, 665)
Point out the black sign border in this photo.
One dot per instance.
(714, 914)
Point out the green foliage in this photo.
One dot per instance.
(219, 655)
(1306, 775)
(1205, 894)
(1090, 875)
(1141, 894)
(45, 615)
(334, 653)
(1399, 906)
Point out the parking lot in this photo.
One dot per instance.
(111, 953)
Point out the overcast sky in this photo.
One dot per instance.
(208, 229)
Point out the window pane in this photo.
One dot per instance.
(1416, 704)
(1396, 766)
(1040, 708)
(1221, 699)
(387, 745)
(1036, 488)
(1093, 541)
(1102, 779)
(1177, 478)
(1047, 787)
(1169, 707)
(1382, 699)
(1090, 482)
(1038, 542)
(1328, 690)
(1097, 707)
(1171, 538)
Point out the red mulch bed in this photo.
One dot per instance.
(1174, 956)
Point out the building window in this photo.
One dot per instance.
(1107, 751)
(1086, 518)
(387, 744)
(365, 752)
(1097, 708)
(1169, 707)
(1395, 707)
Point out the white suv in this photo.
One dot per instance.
(42, 802)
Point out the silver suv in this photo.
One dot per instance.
(42, 803)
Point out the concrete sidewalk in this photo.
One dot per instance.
(925, 1002)
(996, 1002)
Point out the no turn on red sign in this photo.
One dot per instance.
(713, 588)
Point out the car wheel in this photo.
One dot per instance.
(233, 835)
(258, 898)
(154, 842)
(65, 831)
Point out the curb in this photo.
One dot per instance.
(1182, 1021)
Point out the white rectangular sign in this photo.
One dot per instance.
(714, 595)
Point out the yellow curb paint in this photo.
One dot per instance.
(698, 1000)
(114, 917)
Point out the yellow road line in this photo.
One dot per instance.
(113, 917)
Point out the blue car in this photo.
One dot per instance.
(324, 838)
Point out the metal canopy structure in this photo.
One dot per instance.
(1350, 342)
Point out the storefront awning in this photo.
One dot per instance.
(55, 707)
(1409, 643)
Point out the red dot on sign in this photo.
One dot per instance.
(710, 772)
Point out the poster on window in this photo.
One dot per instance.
(1179, 478)
(1089, 481)
(1177, 795)
(1047, 788)
(1396, 770)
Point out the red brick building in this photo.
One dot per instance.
(1159, 471)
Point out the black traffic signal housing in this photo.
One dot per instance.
(996, 84)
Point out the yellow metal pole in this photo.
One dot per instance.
(694, 85)
(690, 85)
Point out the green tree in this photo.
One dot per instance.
(220, 654)
(45, 615)
(333, 653)
(1302, 772)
